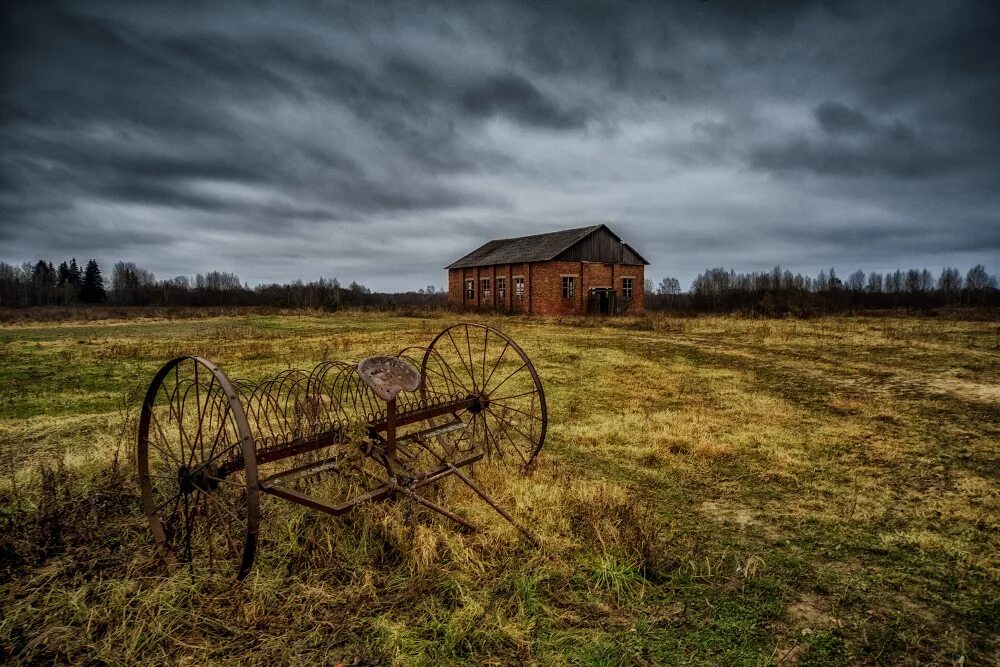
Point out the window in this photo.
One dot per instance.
(501, 288)
(569, 287)
(519, 288)
(470, 290)
(486, 287)
(626, 288)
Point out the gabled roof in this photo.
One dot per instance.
(522, 249)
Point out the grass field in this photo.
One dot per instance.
(712, 490)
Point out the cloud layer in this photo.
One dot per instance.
(379, 141)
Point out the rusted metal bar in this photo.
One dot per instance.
(492, 503)
(302, 446)
(302, 471)
(390, 429)
(431, 505)
(483, 495)
(300, 498)
(422, 414)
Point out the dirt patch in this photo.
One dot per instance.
(811, 612)
(790, 656)
(740, 516)
(980, 392)
(807, 615)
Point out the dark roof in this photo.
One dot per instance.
(522, 249)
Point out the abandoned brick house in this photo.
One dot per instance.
(569, 272)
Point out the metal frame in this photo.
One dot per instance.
(383, 429)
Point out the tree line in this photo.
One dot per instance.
(774, 292)
(41, 284)
(780, 291)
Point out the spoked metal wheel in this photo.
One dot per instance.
(197, 469)
(509, 418)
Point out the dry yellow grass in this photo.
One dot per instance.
(712, 490)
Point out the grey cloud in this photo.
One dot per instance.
(712, 130)
(835, 118)
(855, 146)
(378, 141)
(513, 97)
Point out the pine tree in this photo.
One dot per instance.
(74, 272)
(92, 288)
(43, 278)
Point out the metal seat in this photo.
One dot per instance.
(387, 376)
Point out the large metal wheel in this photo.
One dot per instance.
(197, 469)
(509, 418)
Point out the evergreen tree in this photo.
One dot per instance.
(92, 288)
(43, 278)
(74, 272)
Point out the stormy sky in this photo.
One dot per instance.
(378, 142)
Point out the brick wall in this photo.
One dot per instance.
(455, 287)
(543, 286)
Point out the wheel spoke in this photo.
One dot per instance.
(197, 403)
(156, 422)
(219, 455)
(507, 398)
(510, 407)
(515, 372)
(222, 425)
(186, 535)
(203, 410)
(227, 482)
(475, 428)
(472, 362)
(493, 447)
(511, 425)
(506, 346)
(486, 346)
(462, 359)
(448, 380)
(486, 433)
(229, 511)
(156, 510)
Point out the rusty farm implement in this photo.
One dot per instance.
(389, 427)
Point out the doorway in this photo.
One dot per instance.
(601, 301)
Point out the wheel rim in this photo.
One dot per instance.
(509, 417)
(197, 469)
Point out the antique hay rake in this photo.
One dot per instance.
(331, 439)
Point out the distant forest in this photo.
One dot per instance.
(779, 292)
(43, 284)
(775, 292)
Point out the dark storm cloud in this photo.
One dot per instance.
(848, 143)
(836, 118)
(379, 141)
(515, 98)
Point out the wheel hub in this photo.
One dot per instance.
(200, 478)
(479, 402)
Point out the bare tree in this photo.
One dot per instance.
(669, 286)
(874, 285)
(856, 281)
(950, 280)
(977, 279)
(131, 284)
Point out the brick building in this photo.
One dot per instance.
(569, 272)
